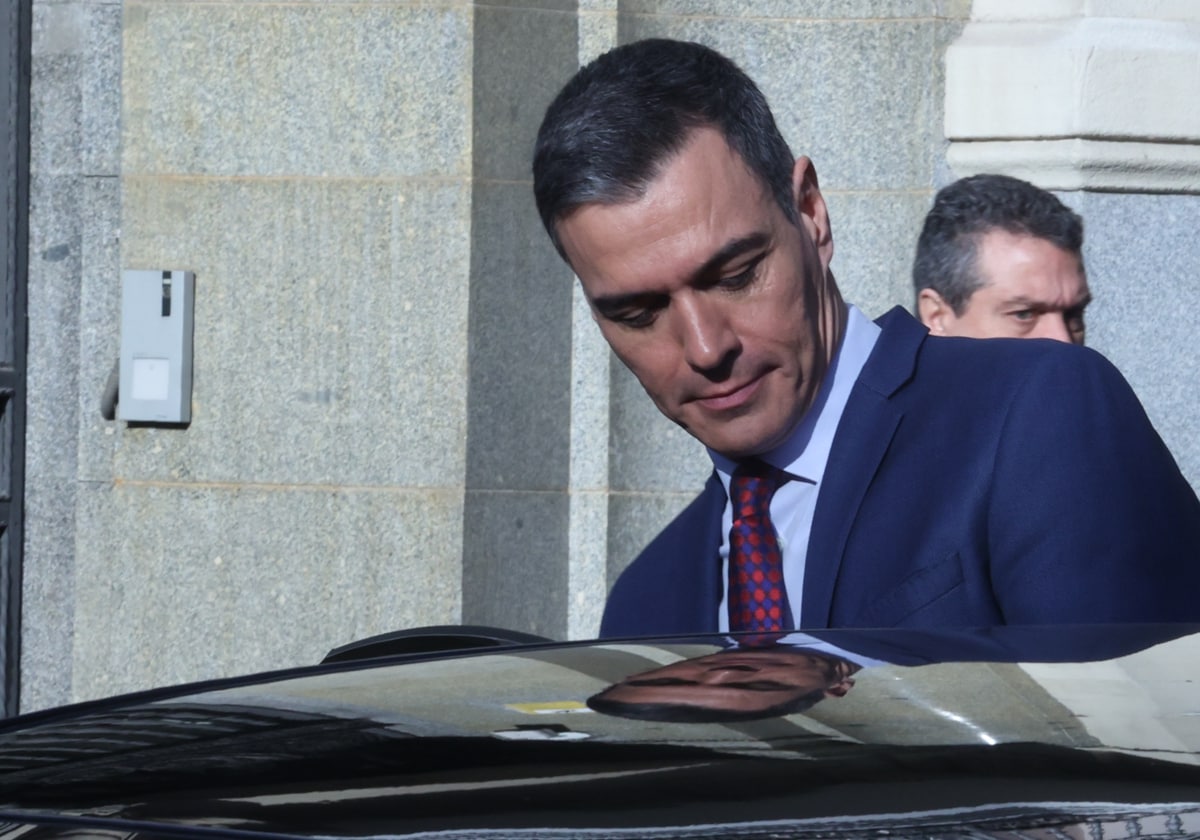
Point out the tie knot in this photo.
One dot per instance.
(752, 486)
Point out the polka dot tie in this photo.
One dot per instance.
(757, 596)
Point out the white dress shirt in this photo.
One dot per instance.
(803, 457)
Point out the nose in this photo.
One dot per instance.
(1053, 325)
(710, 343)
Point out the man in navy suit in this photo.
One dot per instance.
(929, 482)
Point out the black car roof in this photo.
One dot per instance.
(967, 723)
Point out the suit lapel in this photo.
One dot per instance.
(864, 434)
(709, 586)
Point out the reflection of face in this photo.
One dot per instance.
(1031, 289)
(747, 681)
(720, 306)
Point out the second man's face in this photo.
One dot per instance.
(1031, 289)
(722, 308)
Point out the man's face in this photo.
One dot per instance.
(1031, 289)
(746, 680)
(722, 308)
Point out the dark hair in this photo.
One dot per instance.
(966, 210)
(685, 713)
(607, 134)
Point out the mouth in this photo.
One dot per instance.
(730, 398)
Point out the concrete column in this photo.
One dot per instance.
(591, 377)
(517, 507)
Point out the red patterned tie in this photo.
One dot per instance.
(757, 595)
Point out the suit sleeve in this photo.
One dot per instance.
(1090, 519)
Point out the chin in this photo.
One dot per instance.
(740, 449)
(756, 435)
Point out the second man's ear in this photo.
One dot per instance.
(933, 311)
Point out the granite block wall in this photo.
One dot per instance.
(311, 163)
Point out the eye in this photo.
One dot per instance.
(742, 279)
(659, 681)
(637, 319)
(635, 313)
(1023, 315)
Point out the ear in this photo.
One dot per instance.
(934, 312)
(814, 216)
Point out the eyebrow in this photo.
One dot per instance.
(728, 252)
(1040, 305)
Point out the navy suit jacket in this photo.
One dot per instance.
(970, 483)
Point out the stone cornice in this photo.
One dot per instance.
(1078, 102)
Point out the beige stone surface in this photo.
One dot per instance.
(1083, 76)
(277, 89)
(330, 338)
(1078, 96)
(186, 582)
